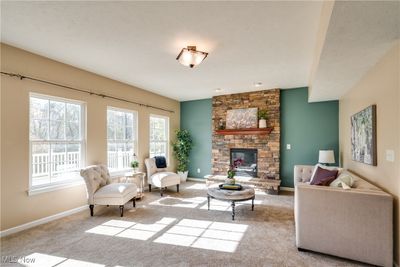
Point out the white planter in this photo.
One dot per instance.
(183, 175)
(262, 123)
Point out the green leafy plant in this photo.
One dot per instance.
(135, 164)
(231, 173)
(262, 114)
(182, 147)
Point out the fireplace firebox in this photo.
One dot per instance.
(245, 160)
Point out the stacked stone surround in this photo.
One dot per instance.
(268, 146)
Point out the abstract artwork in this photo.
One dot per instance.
(363, 136)
(242, 118)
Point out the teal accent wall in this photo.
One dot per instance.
(196, 118)
(307, 127)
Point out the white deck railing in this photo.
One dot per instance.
(119, 159)
(61, 162)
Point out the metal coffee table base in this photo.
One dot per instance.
(232, 203)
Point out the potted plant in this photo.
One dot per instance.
(135, 165)
(181, 147)
(230, 175)
(262, 117)
(232, 171)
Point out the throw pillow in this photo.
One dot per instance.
(161, 162)
(344, 180)
(340, 170)
(324, 177)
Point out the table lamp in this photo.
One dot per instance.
(326, 157)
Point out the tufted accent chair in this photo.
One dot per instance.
(160, 177)
(101, 191)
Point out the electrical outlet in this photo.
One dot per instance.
(288, 146)
(390, 155)
(198, 170)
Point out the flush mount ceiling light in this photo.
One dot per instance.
(258, 84)
(217, 90)
(191, 57)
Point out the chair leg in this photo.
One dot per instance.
(91, 210)
(149, 187)
(134, 202)
(177, 188)
(121, 210)
(161, 191)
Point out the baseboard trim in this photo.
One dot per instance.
(50, 218)
(284, 188)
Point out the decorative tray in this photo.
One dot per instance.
(230, 186)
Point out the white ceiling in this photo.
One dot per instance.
(359, 34)
(270, 42)
(137, 42)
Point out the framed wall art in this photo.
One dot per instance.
(242, 118)
(363, 136)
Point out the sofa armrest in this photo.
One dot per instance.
(351, 223)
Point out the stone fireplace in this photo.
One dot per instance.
(245, 160)
(267, 145)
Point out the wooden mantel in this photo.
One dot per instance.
(244, 131)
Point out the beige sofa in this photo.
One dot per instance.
(355, 224)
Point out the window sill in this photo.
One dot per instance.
(49, 188)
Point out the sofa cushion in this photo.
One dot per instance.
(116, 190)
(161, 179)
(361, 184)
(323, 177)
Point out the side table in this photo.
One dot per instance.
(138, 179)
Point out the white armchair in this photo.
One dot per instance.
(101, 191)
(159, 177)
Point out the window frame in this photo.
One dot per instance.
(35, 189)
(166, 132)
(135, 125)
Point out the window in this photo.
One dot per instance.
(56, 140)
(159, 129)
(121, 138)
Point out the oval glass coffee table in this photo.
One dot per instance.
(232, 196)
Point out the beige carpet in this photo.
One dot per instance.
(176, 230)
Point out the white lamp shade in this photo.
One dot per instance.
(326, 156)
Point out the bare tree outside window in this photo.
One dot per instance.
(121, 138)
(56, 140)
(159, 129)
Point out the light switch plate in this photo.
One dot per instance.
(288, 146)
(390, 155)
(198, 170)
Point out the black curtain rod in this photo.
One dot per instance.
(21, 77)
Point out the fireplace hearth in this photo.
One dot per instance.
(267, 143)
(245, 160)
